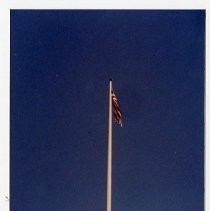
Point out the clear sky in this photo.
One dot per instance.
(61, 62)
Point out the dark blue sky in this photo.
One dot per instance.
(60, 65)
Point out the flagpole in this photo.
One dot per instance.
(109, 168)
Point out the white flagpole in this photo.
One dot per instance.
(109, 168)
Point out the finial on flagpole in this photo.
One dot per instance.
(110, 79)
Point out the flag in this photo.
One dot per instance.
(116, 110)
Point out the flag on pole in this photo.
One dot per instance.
(116, 110)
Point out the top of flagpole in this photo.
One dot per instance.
(110, 79)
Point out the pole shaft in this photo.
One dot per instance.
(109, 169)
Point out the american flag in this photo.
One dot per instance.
(116, 110)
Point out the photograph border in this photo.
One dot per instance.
(6, 6)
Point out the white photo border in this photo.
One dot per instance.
(7, 5)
